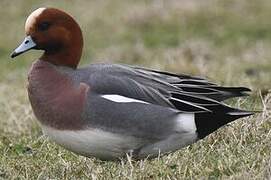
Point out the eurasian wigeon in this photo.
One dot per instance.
(110, 110)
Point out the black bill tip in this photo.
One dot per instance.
(14, 54)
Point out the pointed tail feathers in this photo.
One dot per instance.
(209, 122)
(230, 92)
(217, 93)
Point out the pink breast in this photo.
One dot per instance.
(56, 100)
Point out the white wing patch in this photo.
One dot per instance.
(186, 122)
(121, 99)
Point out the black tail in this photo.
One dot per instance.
(208, 122)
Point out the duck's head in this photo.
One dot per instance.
(55, 32)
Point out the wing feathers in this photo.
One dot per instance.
(195, 94)
(187, 106)
(183, 92)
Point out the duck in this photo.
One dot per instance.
(109, 111)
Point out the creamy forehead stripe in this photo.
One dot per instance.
(33, 16)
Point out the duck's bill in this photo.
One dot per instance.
(26, 45)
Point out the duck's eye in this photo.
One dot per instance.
(44, 26)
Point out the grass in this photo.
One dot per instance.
(228, 41)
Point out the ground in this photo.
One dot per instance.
(227, 41)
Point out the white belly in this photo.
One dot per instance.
(107, 145)
(94, 142)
